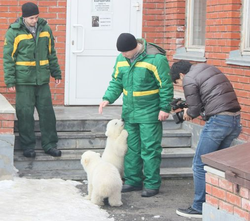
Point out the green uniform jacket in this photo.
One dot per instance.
(29, 61)
(146, 85)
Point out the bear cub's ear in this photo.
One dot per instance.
(85, 161)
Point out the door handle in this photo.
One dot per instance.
(82, 49)
(137, 6)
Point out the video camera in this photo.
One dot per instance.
(177, 103)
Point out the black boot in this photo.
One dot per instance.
(54, 152)
(30, 153)
(129, 188)
(149, 192)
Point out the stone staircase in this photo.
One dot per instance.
(82, 128)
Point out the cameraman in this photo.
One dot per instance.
(208, 91)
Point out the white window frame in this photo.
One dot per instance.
(189, 28)
(245, 33)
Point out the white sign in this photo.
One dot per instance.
(102, 6)
(102, 21)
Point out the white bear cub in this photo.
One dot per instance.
(104, 180)
(116, 144)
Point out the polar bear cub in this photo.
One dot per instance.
(116, 144)
(104, 180)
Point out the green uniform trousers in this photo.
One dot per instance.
(143, 158)
(29, 97)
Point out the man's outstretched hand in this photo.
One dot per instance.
(102, 105)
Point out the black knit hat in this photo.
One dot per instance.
(29, 9)
(126, 42)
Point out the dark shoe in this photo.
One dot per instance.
(54, 152)
(129, 188)
(149, 192)
(189, 212)
(30, 153)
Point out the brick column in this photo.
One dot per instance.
(224, 199)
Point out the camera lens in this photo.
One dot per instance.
(178, 117)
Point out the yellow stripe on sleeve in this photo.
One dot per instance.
(17, 41)
(120, 64)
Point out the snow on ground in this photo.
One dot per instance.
(24, 199)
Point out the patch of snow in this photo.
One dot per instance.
(46, 200)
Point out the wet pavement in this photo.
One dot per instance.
(174, 193)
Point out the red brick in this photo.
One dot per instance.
(208, 189)
(6, 131)
(242, 213)
(212, 201)
(8, 14)
(225, 184)
(8, 2)
(47, 3)
(233, 199)
(57, 9)
(60, 4)
(246, 204)
(226, 206)
(245, 193)
(212, 179)
(219, 193)
(8, 124)
(7, 117)
(3, 8)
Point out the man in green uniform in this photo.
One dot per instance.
(141, 73)
(29, 61)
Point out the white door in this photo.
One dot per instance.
(92, 30)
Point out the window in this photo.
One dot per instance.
(194, 49)
(245, 37)
(196, 25)
(242, 56)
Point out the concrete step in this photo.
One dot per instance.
(87, 119)
(81, 175)
(177, 157)
(176, 172)
(72, 140)
(90, 140)
(47, 166)
(93, 125)
(82, 128)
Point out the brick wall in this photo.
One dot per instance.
(6, 123)
(223, 26)
(222, 36)
(54, 11)
(163, 24)
(227, 196)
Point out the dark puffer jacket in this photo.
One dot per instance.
(205, 86)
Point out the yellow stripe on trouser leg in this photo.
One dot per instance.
(143, 159)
